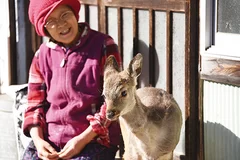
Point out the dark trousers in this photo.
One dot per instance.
(92, 151)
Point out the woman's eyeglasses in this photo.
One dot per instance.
(55, 22)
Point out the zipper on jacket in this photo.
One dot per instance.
(64, 78)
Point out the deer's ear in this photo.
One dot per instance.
(111, 65)
(135, 66)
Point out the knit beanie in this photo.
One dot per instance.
(39, 10)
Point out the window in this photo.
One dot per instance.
(228, 15)
(221, 32)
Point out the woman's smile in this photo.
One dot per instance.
(66, 31)
(62, 25)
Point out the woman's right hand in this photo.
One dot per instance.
(44, 149)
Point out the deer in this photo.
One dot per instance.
(150, 118)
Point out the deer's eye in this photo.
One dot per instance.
(124, 93)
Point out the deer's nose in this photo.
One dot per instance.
(111, 114)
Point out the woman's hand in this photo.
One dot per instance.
(72, 148)
(76, 144)
(44, 149)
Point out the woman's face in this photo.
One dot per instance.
(62, 25)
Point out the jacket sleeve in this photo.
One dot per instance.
(34, 114)
(99, 122)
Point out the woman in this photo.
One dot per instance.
(65, 84)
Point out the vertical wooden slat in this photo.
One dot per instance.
(103, 23)
(169, 52)
(87, 13)
(192, 81)
(120, 31)
(151, 48)
(12, 43)
(105, 19)
(120, 46)
(29, 42)
(36, 40)
(189, 134)
(24, 45)
(135, 31)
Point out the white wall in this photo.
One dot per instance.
(221, 121)
(4, 58)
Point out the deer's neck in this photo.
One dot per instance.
(136, 118)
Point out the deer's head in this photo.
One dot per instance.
(119, 86)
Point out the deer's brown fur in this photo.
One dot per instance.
(150, 118)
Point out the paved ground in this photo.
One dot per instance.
(8, 145)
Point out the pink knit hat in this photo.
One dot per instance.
(39, 10)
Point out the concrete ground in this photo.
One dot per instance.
(8, 145)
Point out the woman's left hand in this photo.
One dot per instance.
(76, 144)
(72, 148)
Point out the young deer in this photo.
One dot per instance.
(150, 118)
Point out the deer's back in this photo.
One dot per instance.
(152, 97)
(160, 104)
(156, 98)
(163, 111)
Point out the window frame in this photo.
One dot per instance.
(219, 43)
(219, 58)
